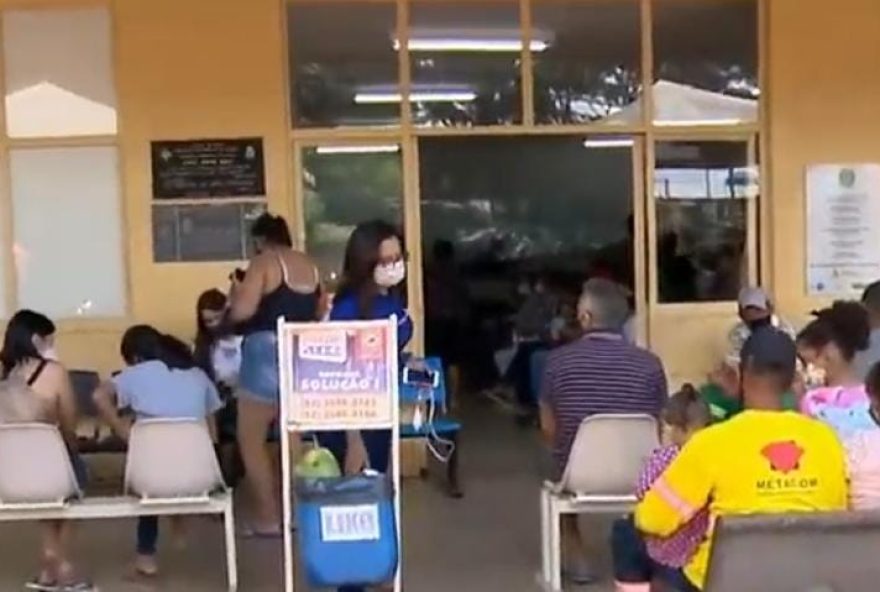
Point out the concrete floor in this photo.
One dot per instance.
(488, 541)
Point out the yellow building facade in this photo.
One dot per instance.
(193, 69)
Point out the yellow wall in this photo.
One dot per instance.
(823, 105)
(186, 69)
(190, 68)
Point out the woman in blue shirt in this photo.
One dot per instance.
(373, 270)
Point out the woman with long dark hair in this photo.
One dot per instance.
(373, 270)
(280, 283)
(161, 380)
(28, 362)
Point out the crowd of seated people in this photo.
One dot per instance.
(795, 427)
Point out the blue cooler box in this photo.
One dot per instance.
(347, 530)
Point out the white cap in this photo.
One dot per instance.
(754, 298)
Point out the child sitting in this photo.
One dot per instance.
(863, 453)
(161, 381)
(638, 559)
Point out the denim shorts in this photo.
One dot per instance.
(258, 376)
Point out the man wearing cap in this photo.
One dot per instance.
(721, 392)
(763, 461)
(755, 311)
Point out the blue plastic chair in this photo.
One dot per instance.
(443, 425)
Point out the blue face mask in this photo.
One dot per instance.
(758, 323)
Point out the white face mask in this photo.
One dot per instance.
(389, 275)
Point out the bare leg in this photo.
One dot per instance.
(574, 555)
(254, 419)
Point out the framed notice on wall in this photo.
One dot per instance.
(843, 244)
(190, 169)
(339, 375)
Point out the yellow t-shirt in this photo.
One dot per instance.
(759, 462)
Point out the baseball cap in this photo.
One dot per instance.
(754, 297)
(768, 348)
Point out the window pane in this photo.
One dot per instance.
(516, 205)
(344, 186)
(701, 191)
(590, 69)
(464, 61)
(705, 62)
(59, 73)
(68, 244)
(203, 232)
(343, 64)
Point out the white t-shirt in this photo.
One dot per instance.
(226, 359)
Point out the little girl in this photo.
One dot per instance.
(639, 559)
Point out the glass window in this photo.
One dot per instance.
(590, 69)
(343, 64)
(68, 244)
(517, 205)
(700, 192)
(465, 63)
(203, 232)
(705, 62)
(344, 186)
(59, 73)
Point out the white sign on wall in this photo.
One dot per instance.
(843, 228)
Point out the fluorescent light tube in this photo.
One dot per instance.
(368, 98)
(359, 149)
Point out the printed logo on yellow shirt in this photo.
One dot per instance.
(784, 458)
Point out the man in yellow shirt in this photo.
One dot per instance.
(763, 461)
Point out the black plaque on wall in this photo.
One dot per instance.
(186, 169)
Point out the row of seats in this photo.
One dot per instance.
(809, 552)
(45, 487)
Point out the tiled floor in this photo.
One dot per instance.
(486, 542)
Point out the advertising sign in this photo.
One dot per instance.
(339, 375)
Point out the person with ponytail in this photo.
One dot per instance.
(161, 380)
(830, 344)
(279, 283)
(639, 559)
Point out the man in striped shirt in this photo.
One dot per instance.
(600, 373)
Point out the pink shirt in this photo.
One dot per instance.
(863, 461)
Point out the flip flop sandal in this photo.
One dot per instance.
(41, 586)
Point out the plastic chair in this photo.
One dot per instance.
(35, 468)
(173, 468)
(779, 552)
(442, 425)
(600, 477)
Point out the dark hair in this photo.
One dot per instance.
(272, 229)
(686, 409)
(143, 343)
(18, 343)
(872, 382)
(212, 299)
(361, 259)
(871, 298)
(845, 324)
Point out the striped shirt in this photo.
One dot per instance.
(600, 373)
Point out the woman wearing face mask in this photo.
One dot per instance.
(373, 270)
(218, 353)
(280, 282)
(28, 359)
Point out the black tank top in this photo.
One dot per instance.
(283, 301)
